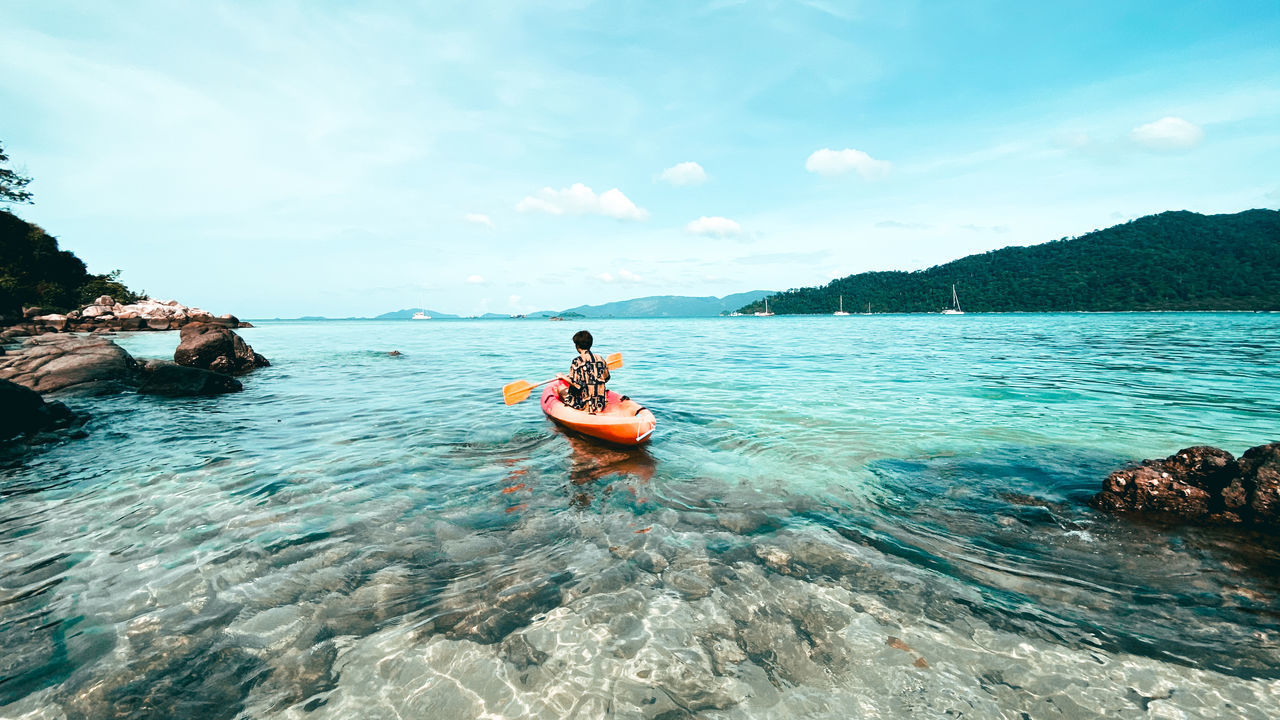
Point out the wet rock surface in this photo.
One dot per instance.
(71, 364)
(213, 347)
(1199, 485)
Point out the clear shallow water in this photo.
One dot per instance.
(866, 516)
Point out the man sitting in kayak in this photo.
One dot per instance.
(588, 374)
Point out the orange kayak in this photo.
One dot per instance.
(623, 422)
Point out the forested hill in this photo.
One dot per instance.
(1171, 261)
(34, 271)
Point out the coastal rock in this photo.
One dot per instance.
(146, 314)
(172, 380)
(214, 347)
(26, 412)
(1260, 473)
(71, 364)
(54, 321)
(1201, 485)
(1186, 485)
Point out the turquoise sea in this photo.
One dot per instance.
(865, 516)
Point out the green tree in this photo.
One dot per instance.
(12, 185)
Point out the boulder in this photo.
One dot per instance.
(1260, 475)
(70, 364)
(159, 323)
(27, 413)
(1184, 486)
(213, 347)
(94, 311)
(1200, 485)
(105, 301)
(32, 312)
(173, 380)
(55, 321)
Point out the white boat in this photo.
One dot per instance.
(868, 312)
(841, 310)
(420, 315)
(735, 313)
(955, 304)
(766, 312)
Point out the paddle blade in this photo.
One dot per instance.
(614, 361)
(517, 391)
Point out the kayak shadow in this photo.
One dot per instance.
(595, 469)
(590, 461)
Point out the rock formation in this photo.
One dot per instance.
(105, 313)
(70, 364)
(1199, 484)
(214, 347)
(77, 365)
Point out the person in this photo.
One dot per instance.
(588, 374)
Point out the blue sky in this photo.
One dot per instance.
(288, 158)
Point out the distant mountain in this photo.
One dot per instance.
(407, 314)
(665, 306)
(1172, 261)
(654, 306)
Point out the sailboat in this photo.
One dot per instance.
(421, 315)
(868, 312)
(766, 312)
(841, 310)
(955, 304)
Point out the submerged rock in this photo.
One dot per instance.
(1201, 485)
(173, 380)
(211, 346)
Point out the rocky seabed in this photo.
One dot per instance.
(672, 614)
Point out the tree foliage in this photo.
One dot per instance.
(12, 185)
(34, 271)
(1171, 261)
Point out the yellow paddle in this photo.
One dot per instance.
(519, 390)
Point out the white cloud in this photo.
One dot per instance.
(605, 277)
(685, 173)
(478, 219)
(838, 162)
(1168, 134)
(578, 199)
(714, 227)
(475, 279)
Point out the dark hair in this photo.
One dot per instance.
(582, 340)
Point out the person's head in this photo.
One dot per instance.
(582, 340)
